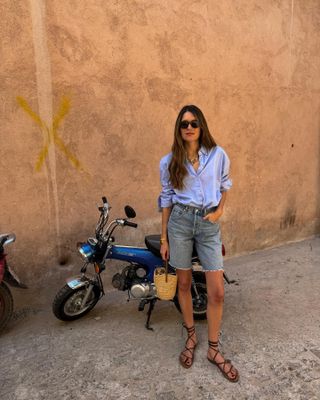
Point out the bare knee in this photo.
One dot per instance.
(216, 296)
(184, 281)
(184, 285)
(215, 287)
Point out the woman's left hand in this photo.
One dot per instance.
(214, 216)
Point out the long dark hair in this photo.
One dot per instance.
(177, 168)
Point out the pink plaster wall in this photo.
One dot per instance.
(128, 67)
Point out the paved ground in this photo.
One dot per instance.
(270, 330)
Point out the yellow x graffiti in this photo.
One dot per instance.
(51, 135)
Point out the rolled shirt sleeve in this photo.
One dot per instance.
(167, 192)
(226, 182)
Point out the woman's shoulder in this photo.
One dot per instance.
(218, 150)
(165, 160)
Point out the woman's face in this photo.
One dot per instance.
(188, 132)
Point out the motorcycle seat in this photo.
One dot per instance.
(153, 244)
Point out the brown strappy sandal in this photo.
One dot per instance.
(224, 364)
(184, 358)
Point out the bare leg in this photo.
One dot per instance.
(215, 291)
(185, 301)
(184, 295)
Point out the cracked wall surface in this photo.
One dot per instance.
(126, 68)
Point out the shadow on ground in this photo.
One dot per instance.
(270, 330)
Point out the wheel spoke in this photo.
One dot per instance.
(200, 303)
(73, 305)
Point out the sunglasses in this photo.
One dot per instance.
(185, 124)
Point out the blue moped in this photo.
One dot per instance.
(81, 293)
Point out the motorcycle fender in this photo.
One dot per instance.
(78, 281)
(12, 279)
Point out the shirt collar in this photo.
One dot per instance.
(203, 151)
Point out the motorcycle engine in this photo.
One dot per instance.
(133, 277)
(143, 289)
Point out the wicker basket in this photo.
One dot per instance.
(166, 283)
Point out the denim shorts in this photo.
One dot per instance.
(186, 229)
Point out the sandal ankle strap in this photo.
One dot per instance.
(191, 330)
(213, 345)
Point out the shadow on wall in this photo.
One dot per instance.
(289, 219)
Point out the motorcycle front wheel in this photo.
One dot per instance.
(199, 301)
(67, 305)
(6, 305)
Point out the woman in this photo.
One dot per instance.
(195, 180)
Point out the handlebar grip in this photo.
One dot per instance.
(132, 224)
(104, 200)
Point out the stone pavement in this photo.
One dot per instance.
(270, 330)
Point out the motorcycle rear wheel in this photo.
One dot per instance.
(199, 304)
(6, 305)
(67, 305)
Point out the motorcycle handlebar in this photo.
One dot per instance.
(3, 240)
(132, 224)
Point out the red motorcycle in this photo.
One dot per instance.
(7, 276)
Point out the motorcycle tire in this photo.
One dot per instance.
(67, 303)
(200, 304)
(6, 305)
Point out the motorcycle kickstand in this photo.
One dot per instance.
(227, 279)
(151, 307)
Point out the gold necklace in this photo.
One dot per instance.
(193, 160)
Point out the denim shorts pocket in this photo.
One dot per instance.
(210, 223)
(211, 226)
(177, 211)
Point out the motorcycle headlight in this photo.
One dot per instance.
(86, 250)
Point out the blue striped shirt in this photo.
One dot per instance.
(202, 188)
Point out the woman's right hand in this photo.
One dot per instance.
(164, 251)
